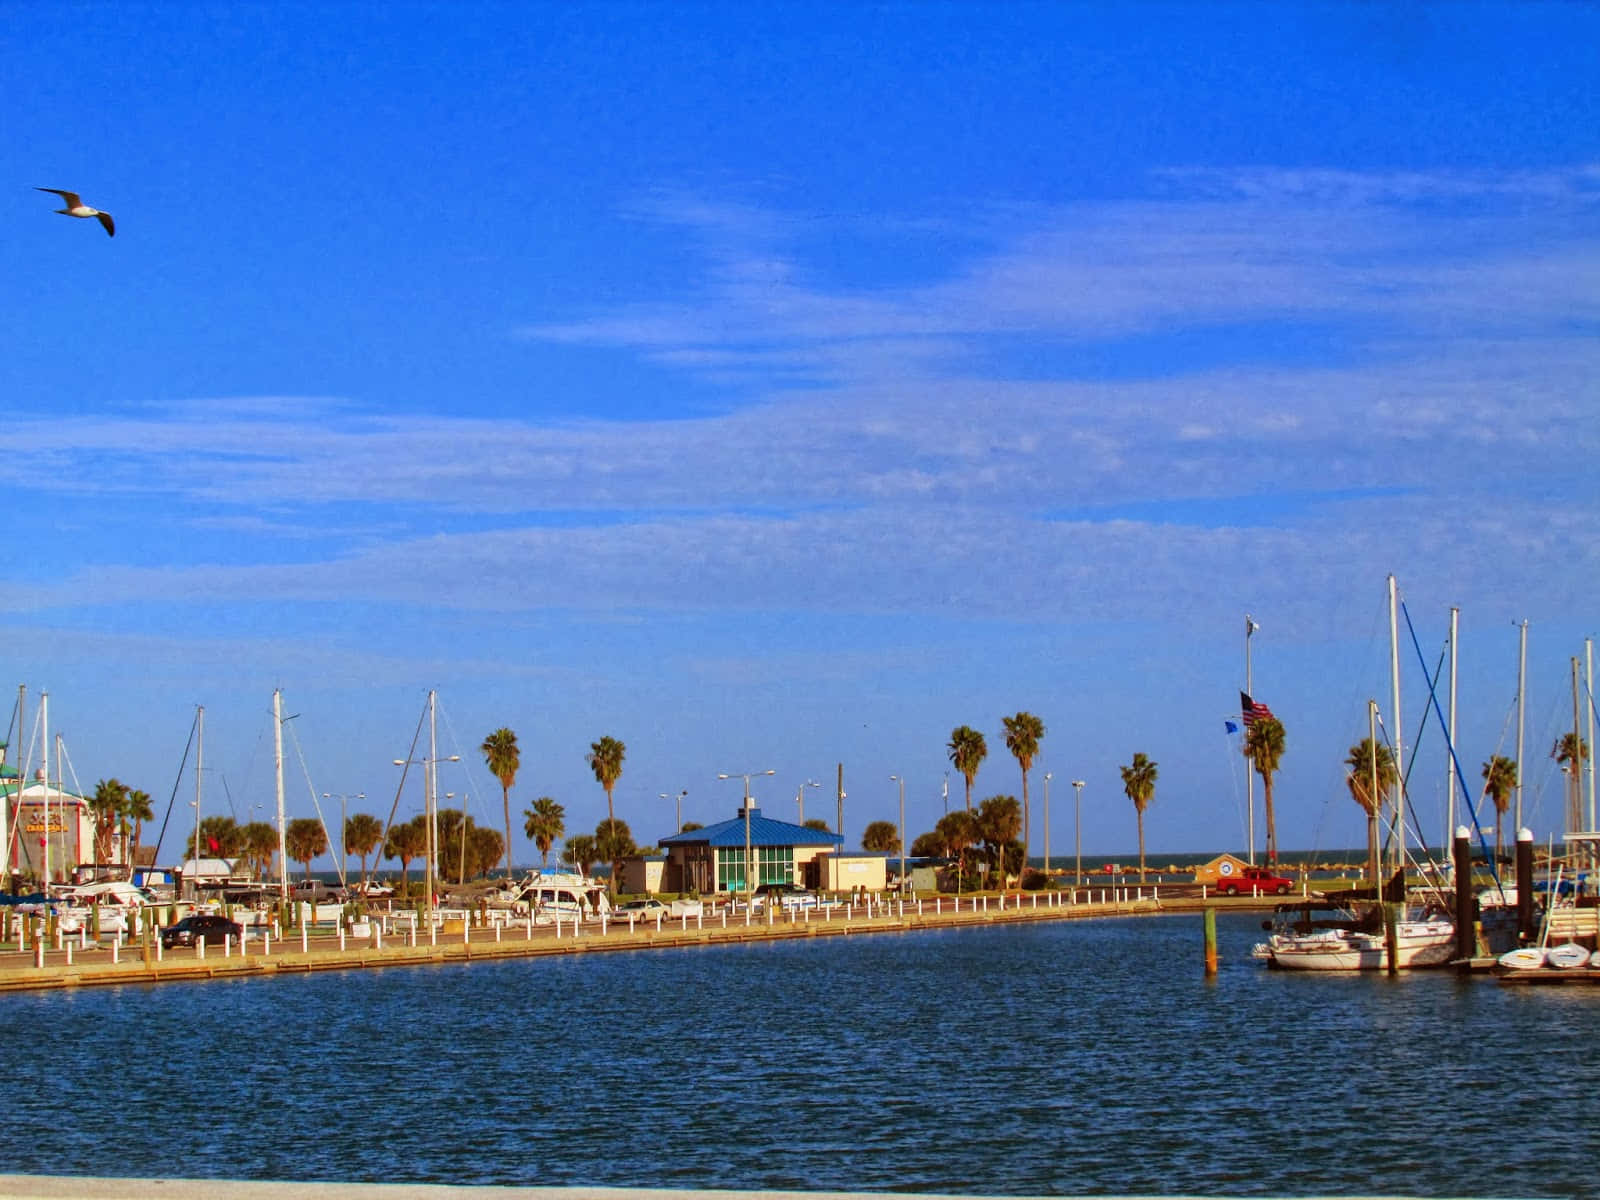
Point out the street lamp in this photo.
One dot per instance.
(667, 796)
(749, 888)
(901, 781)
(430, 810)
(1047, 777)
(800, 798)
(344, 851)
(1077, 828)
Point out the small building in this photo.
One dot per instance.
(1224, 866)
(839, 871)
(711, 861)
(54, 830)
(642, 876)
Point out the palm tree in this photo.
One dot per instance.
(960, 832)
(605, 760)
(500, 752)
(407, 842)
(139, 811)
(258, 842)
(579, 850)
(967, 752)
(999, 821)
(109, 804)
(613, 842)
(1023, 732)
(221, 835)
(306, 839)
(362, 833)
(546, 823)
(1139, 783)
(881, 837)
(1570, 753)
(1499, 781)
(1264, 745)
(1362, 761)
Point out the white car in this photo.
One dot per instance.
(640, 911)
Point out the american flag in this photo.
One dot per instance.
(1252, 710)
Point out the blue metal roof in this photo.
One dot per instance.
(764, 831)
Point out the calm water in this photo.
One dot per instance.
(1076, 1058)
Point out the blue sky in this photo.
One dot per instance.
(784, 385)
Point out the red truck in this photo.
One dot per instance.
(1254, 879)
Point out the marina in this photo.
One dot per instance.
(1031, 1058)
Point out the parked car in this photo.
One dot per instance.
(786, 895)
(317, 892)
(200, 927)
(646, 909)
(1255, 880)
(372, 890)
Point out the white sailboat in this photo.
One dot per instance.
(1424, 931)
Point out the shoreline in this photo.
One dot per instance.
(94, 968)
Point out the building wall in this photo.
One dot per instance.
(68, 825)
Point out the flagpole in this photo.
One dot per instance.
(1249, 781)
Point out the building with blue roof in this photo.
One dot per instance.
(712, 860)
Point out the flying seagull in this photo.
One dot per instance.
(77, 208)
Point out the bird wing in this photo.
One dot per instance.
(105, 219)
(70, 197)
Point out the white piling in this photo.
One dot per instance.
(341, 938)
(115, 944)
(69, 953)
(200, 947)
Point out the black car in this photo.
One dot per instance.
(200, 928)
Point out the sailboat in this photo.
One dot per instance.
(1424, 932)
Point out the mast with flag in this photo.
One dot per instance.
(1250, 628)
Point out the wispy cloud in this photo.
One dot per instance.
(1463, 378)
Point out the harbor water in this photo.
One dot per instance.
(1076, 1057)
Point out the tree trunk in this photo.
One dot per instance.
(1272, 832)
(505, 796)
(1141, 846)
(1022, 867)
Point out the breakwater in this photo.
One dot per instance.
(72, 961)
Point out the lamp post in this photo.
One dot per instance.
(344, 850)
(1077, 829)
(1047, 777)
(667, 796)
(749, 888)
(430, 810)
(900, 779)
(800, 798)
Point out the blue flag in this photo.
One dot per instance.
(1230, 727)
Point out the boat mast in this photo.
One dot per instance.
(1399, 832)
(277, 763)
(1575, 805)
(430, 791)
(1450, 741)
(44, 761)
(199, 766)
(1249, 775)
(7, 861)
(1522, 704)
(1377, 800)
(1588, 655)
